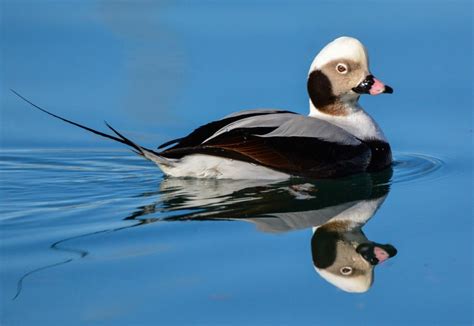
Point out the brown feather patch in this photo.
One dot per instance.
(255, 149)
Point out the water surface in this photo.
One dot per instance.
(91, 233)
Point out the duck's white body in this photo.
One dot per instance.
(209, 166)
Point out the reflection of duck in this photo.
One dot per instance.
(335, 210)
(338, 137)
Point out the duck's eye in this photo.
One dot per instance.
(346, 270)
(341, 68)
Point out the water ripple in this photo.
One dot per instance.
(413, 167)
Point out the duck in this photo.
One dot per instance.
(336, 139)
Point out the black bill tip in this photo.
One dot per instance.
(388, 90)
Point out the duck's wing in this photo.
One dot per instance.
(286, 142)
(202, 133)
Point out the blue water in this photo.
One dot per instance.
(92, 234)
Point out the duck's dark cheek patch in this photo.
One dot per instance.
(323, 247)
(320, 89)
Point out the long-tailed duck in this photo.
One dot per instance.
(337, 138)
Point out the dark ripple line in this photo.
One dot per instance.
(80, 252)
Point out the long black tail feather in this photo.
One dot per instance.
(139, 149)
(121, 139)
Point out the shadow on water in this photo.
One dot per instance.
(336, 210)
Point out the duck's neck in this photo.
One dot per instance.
(354, 217)
(350, 116)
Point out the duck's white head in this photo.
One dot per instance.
(339, 74)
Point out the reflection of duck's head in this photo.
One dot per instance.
(344, 257)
